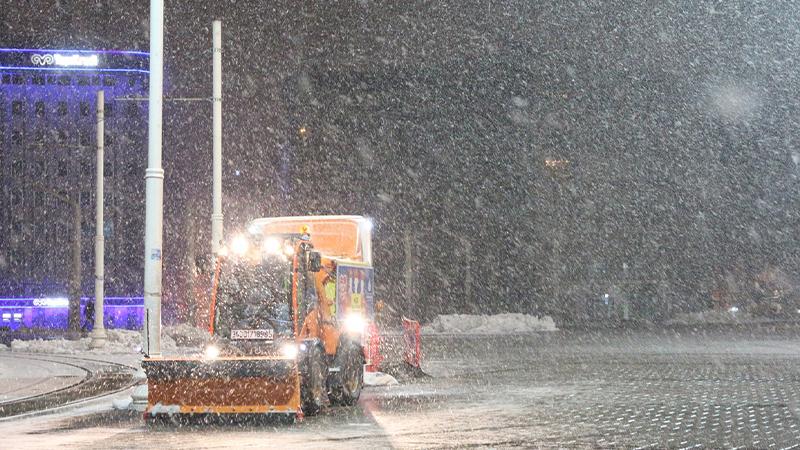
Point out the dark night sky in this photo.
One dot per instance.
(679, 120)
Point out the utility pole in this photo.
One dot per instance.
(470, 306)
(216, 213)
(154, 189)
(99, 331)
(559, 171)
(74, 200)
(409, 269)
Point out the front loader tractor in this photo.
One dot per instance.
(291, 299)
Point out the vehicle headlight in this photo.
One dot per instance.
(355, 323)
(212, 352)
(289, 350)
(240, 245)
(272, 246)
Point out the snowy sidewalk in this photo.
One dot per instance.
(22, 376)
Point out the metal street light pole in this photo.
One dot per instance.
(154, 189)
(99, 331)
(216, 213)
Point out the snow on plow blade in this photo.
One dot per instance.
(222, 386)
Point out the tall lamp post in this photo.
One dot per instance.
(154, 189)
(99, 331)
(216, 213)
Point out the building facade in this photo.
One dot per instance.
(47, 160)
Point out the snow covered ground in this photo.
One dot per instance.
(662, 389)
(510, 323)
(379, 379)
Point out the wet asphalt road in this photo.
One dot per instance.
(677, 389)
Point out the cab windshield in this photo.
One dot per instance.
(253, 296)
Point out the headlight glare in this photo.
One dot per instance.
(212, 352)
(240, 245)
(355, 323)
(289, 350)
(271, 246)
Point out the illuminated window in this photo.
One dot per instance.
(38, 138)
(16, 198)
(16, 137)
(132, 110)
(83, 138)
(18, 168)
(86, 199)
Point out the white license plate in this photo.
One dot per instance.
(265, 335)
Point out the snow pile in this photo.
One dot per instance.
(509, 323)
(122, 404)
(3, 347)
(117, 341)
(379, 379)
(186, 335)
(709, 317)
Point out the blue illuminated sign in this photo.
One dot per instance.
(52, 312)
(74, 60)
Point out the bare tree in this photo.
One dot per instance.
(71, 198)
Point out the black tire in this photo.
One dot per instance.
(312, 381)
(346, 389)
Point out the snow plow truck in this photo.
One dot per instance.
(291, 299)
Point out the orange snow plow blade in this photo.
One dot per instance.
(222, 386)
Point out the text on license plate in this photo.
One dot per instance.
(252, 334)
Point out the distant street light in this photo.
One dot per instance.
(556, 164)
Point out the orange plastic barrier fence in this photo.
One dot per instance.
(372, 349)
(413, 342)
